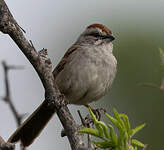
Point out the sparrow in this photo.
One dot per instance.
(84, 74)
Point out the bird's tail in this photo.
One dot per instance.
(32, 127)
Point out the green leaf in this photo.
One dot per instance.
(138, 128)
(137, 143)
(120, 141)
(161, 56)
(92, 114)
(97, 124)
(131, 147)
(126, 123)
(115, 122)
(105, 129)
(109, 138)
(123, 141)
(117, 116)
(113, 135)
(99, 129)
(104, 144)
(135, 148)
(91, 131)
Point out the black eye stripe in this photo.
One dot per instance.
(97, 35)
(100, 36)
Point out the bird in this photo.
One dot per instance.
(84, 75)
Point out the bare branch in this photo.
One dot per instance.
(161, 87)
(7, 97)
(86, 122)
(6, 146)
(9, 26)
(149, 85)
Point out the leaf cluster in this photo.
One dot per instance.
(108, 138)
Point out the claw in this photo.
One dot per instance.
(96, 111)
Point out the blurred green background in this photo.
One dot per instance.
(137, 51)
(138, 27)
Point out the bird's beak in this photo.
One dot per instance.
(108, 37)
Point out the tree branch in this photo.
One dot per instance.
(42, 65)
(7, 97)
(6, 146)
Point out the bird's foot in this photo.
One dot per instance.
(97, 111)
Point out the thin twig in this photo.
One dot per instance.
(21, 28)
(8, 25)
(86, 122)
(81, 118)
(32, 44)
(7, 97)
(161, 87)
(149, 85)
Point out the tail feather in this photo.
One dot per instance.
(32, 127)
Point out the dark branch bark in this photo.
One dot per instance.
(6, 146)
(42, 65)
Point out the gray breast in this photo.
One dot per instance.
(87, 76)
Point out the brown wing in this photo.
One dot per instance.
(63, 61)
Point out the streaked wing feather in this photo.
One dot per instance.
(63, 61)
